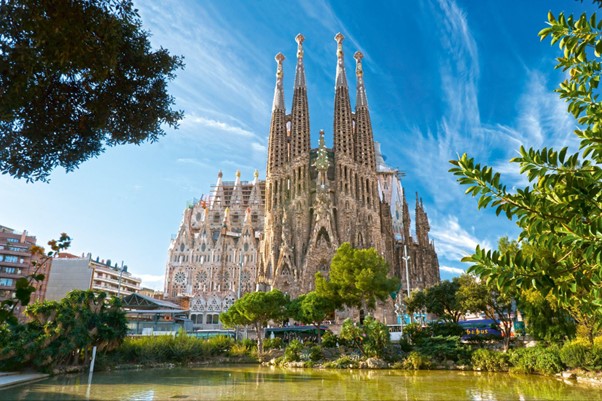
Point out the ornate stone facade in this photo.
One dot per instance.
(279, 233)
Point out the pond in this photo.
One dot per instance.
(265, 383)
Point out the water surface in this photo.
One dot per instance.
(264, 383)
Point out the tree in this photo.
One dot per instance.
(256, 309)
(76, 77)
(441, 299)
(416, 301)
(313, 309)
(357, 278)
(561, 208)
(476, 296)
(371, 338)
(62, 333)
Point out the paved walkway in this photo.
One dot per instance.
(8, 379)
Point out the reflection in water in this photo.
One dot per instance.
(268, 383)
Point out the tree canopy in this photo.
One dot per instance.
(62, 333)
(76, 77)
(256, 309)
(313, 309)
(440, 299)
(357, 278)
(560, 211)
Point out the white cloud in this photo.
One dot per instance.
(453, 270)
(220, 125)
(453, 242)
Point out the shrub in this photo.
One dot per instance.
(416, 361)
(446, 329)
(536, 360)
(344, 362)
(581, 354)
(492, 361)
(315, 353)
(272, 343)
(241, 349)
(371, 338)
(220, 345)
(330, 340)
(441, 349)
(292, 353)
(574, 353)
(416, 333)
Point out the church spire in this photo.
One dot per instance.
(364, 145)
(278, 103)
(277, 143)
(343, 124)
(300, 113)
(341, 79)
(300, 72)
(361, 100)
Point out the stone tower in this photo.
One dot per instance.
(318, 198)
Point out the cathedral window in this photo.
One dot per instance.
(216, 218)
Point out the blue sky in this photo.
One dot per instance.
(443, 77)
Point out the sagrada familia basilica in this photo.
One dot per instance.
(258, 235)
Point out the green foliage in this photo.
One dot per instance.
(446, 329)
(439, 299)
(542, 360)
(257, 309)
(344, 362)
(292, 353)
(371, 339)
(441, 349)
(25, 286)
(416, 333)
(357, 278)
(76, 78)
(581, 354)
(560, 211)
(312, 308)
(416, 361)
(480, 296)
(63, 333)
(545, 319)
(330, 340)
(316, 353)
(489, 360)
(272, 343)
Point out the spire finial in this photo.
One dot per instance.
(340, 78)
(279, 91)
(237, 173)
(358, 56)
(220, 174)
(299, 39)
(279, 59)
(339, 38)
(256, 174)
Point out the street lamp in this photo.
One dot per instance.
(405, 258)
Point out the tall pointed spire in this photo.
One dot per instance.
(299, 135)
(278, 156)
(361, 100)
(278, 103)
(300, 143)
(341, 79)
(343, 119)
(364, 145)
(300, 72)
